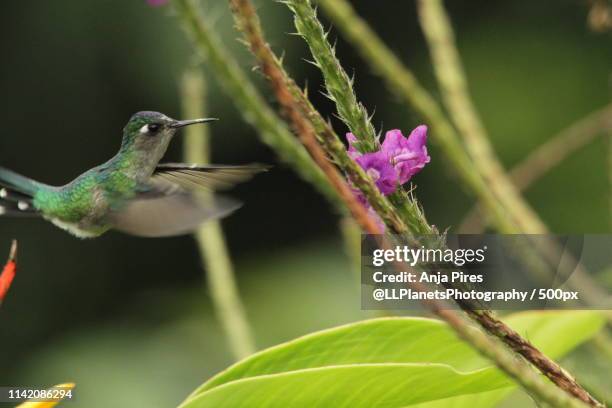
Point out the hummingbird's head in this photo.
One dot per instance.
(150, 133)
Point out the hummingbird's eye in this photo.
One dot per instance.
(153, 127)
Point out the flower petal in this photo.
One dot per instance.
(418, 138)
(381, 171)
(408, 155)
(394, 141)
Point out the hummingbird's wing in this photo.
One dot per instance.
(175, 200)
(213, 177)
(163, 209)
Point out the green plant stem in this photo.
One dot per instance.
(338, 84)
(248, 23)
(453, 84)
(401, 81)
(213, 249)
(248, 100)
(340, 88)
(548, 156)
(451, 78)
(609, 140)
(351, 235)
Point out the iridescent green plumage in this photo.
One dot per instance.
(131, 192)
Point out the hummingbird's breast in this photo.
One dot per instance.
(82, 206)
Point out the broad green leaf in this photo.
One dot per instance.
(368, 385)
(393, 356)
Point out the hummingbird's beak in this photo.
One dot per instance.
(182, 123)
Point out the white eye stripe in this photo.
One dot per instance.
(144, 129)
(22, 205)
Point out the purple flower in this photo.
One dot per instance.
(398, 159)
(379, 168)
(407, 155)
(156, 3)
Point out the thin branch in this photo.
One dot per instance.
(451, 78)
(351, 235)
(548, 156)
(210, 238)
(609, 156)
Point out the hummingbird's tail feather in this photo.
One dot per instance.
(16, 182)
(16, 195)
(15, 204)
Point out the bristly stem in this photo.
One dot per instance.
(248, 23)
(337, 82)
(213, 249)
(248, 100)
(548, 155)
(340, 88)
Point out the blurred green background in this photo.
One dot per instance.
(130, 320)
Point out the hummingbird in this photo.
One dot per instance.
(132, 192)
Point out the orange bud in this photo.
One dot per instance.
(8, 273)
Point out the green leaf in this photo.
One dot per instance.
(538, 328)
(394, 362)
(369, 385)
